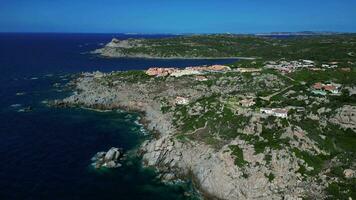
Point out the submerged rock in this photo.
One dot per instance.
(109, 159)
(26, 109)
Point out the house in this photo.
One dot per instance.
(331, 88)
(277, 112)
(181, 101)
(283, 113)
(322, 89)
(318, 86)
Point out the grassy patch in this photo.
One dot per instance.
(239, 156)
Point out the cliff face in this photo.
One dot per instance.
(216, 174)
(231, 169)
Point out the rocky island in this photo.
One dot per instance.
(109, 159)
(279, 127)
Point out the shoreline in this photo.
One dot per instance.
(176, 58)
(139, 152)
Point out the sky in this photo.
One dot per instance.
(177, 16)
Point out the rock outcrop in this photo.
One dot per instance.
(109, 159)
(345, 117)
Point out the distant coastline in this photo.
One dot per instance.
(178, 58)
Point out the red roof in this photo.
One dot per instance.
(329, 87)
(318, 86)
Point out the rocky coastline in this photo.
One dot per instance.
(121, 49)
(214, 171)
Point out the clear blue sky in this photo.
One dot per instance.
(177, 16)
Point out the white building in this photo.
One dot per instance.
(277, 112)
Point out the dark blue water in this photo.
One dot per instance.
(45, 153)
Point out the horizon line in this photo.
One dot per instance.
(163, 33)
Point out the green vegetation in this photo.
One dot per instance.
(339, 48)
(270, 177)
(342, 190)
(314, 161)
(215, 126)
(334, 75)
(239, 156)
(131, 76)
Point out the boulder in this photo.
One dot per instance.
(109, 159)
(112, 154)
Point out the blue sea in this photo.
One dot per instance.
(45, 152)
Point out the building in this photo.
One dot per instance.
(158, 71)
(219, 68)
(318, 86)
(290, 66)
(185, 72)
(329, 66)
(175, 72)
(283, 113)
(331, 88)
(296, 108)
(277, 112)
(213, 68)
(181, 101)
(322, 89)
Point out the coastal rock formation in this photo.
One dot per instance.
(251, 164)
(109, 159)
(216, 174)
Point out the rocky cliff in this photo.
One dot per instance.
(221, 168)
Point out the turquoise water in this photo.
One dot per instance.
(45, 153)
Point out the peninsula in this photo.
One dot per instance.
(282, 126)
